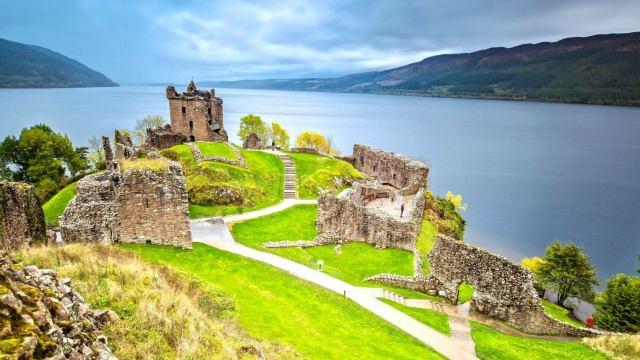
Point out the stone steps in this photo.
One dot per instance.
(289, 177)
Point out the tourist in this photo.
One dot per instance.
(401, 210)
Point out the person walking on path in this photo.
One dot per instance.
(401, 210)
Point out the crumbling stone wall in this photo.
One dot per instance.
(124, 147)
(45, 317)
(503, 290)
(164, 138)
(197, 114)
(21, 217)
(153, 207)
(136, 206)
(197, 154)
(349, 220)
(92, 216)
(309, 150)
(253, 142)
(397, 170)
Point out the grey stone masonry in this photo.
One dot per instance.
(21, 217)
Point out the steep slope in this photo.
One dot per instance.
(600, 69)
(30, 66)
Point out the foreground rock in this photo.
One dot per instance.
(42, 317)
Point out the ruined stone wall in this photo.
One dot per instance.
(197, 114)
(349, 158)
(92, 216)
(503, 290)
(345, 218)
(21, 217)
(136, 206)
(124, 147)
(308, 150)
(397, 170)
(153, 207)
(253, 142)
(164, 138)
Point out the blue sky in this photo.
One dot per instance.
(159, 41)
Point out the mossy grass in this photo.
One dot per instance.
(560, 313)
(315, 171)
(275, 305)
(155, 165)
(492, 344)
(618, 346)
(433, 319)
(258, 187)
(56, 205)
(216, 149)
(356, 262)
(425, 241)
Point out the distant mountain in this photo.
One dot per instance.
(29, 66)
(600, 69)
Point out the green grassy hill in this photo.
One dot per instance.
(29, 66)
(314, 172)
(56, 205)
(217, 189)
(600, 69)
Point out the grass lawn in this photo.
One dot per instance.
(357, 261)
(433, 319)
(260, 186)
(277, 306)
(425, 241)
(465, 292)
(217, 149)
(492, 344)
(56, 205)
(560, 313)
(315, 171)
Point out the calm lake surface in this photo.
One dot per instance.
(530, 172)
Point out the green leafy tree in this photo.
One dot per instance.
(40, 157)
(253, 123)
(314, 140)
(95, 157)
(618, 307)
(279, 135)
(149, 122)
(568, 272)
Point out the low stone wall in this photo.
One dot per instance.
(47, 318)
(21, 217)
(397, 170)
(353, 222)
(164, 138)
(197, 154)
(136, 206)
(350, 159)
(308, 150)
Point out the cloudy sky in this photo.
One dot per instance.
(159, 41)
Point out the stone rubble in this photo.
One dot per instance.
(47, 318)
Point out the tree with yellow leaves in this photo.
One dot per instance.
(314, 140)
(457, 201)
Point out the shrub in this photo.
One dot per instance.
(618, 307)
(444, 216)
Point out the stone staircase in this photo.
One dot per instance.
(289, 177)
(461, 330)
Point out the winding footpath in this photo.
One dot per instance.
(214, 232)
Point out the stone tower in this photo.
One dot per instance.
(197, 114)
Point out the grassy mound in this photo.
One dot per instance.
(166, 313)
(315, 171)
(357, 261)
(217, 189)
(216, 149)
(560, 313)
(56, 205)
(275, 305)
(492, 344)
(433, 319)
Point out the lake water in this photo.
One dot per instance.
(530, 172)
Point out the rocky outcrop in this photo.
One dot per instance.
(21, 217)
(42, 317)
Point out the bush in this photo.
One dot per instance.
(444, 216)
(618, 307)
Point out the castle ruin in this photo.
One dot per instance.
(21, 217)
(137, 205)
(197, 114)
